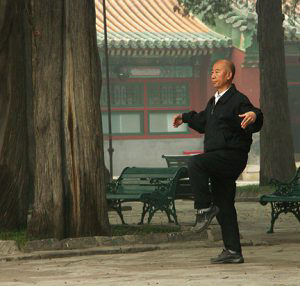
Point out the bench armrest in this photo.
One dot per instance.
(285, 188)
(112, 186)
(282, 188)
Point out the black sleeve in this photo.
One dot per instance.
(196, 121)
(246, 106)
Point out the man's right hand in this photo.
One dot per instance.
(177, 120)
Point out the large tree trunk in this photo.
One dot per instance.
(277, 151)
(14, 175)
(69, 166)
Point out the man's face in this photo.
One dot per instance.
(221, 76)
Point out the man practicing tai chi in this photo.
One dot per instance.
(228, 122)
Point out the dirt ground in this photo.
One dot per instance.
(264, 265)
(272, 260)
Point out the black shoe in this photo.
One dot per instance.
(204, 218)
(227, 257)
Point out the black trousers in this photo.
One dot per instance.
(221, 169)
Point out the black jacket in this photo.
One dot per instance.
(221, 123)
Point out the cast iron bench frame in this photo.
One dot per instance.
(154, 187)
(285, 199)
(183, 190)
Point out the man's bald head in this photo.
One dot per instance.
(229, 66)
(222, 74)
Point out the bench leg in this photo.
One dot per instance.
(118, 209)
(283, 207)
(169, 218)
(172, 212)
(274, 216)
(168, 208)
(152, 211)
(296, 211)
(146, 208)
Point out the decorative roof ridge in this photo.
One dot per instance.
(176, 40)
(152, 24)
(244, 17)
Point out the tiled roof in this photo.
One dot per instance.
(244, 17)
(153, 25)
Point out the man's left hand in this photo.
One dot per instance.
(248, 118)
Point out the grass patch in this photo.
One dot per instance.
(20, 236)
(255, 189)
(117, 230)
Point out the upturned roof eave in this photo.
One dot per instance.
(164, 41)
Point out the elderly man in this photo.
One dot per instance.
(228, 122)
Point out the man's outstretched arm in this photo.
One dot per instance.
(194, 120)
(250, 116)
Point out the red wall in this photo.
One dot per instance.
(246, 79)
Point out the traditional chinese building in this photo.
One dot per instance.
(159, 66)
(240, 26)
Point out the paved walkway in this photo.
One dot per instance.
(254, 221)
(270, 259)
(183, 264)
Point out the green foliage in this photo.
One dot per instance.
(118, 230)
(207, 8)
(289, 9)
(20, 236)
(255, 189)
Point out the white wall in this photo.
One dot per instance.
(147, 153)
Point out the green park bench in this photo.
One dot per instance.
(183, 190)
(285, 199)
(154, 187)
(176, 160)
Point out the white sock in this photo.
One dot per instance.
(200, 211)
(232, 252)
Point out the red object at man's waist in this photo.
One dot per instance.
(192, 152)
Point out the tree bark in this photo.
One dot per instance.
(14, 174)
(276, 144)
(69, 166)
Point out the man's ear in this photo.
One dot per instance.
(229, 75)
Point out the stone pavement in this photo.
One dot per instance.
(254, 221)
(183, 264)
(163, 259)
